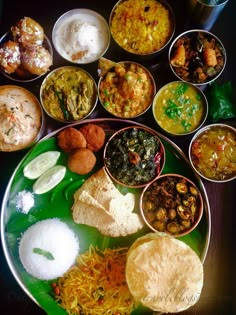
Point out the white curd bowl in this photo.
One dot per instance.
(81, 36)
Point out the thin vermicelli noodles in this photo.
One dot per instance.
(96, 284)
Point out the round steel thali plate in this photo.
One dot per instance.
(58, 202)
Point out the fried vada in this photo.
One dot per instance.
(81, 161)
(71, 139)
(36, 59)
(10, 56)
(94, 135)
(28, 32)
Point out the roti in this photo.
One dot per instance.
(163, 273)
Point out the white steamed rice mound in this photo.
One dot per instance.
(55, 237)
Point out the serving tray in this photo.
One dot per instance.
(58, 202)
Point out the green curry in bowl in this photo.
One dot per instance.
(68, 94)
(180, 108)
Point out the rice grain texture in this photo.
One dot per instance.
(50, 236)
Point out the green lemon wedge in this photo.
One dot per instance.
(41, 164)
(49, 179)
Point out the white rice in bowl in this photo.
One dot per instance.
(48, 249)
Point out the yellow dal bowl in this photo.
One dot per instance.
(180, 108)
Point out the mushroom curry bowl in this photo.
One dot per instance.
(171, 204)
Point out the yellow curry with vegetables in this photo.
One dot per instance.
(179, 108)
(127, 90)
(68, 94)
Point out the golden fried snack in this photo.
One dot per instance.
(94, 135)
(71, 139)
(209, 55)
(10, 56)
(28, 32)
(36, 59)
(81, 161)
(178, 60)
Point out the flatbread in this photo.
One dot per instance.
(100, 204)
(163, 273)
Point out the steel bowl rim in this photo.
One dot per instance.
(85, 11)
(46, 44)
(154, 91)
(151, 131)
(171, 11)
(194, 31)
(48, 76)
(43, 119)
(201, 209)
(206, 107)
(197, 134)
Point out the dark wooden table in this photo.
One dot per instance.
(218, 295)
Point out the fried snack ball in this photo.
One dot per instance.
(94, 135)
(71, 139)
(81, 161)
(36, 59)
(10, 56)
(28, 32)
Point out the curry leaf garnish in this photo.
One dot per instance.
(44, 253)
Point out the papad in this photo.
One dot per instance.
(163, 273)
(100, 204)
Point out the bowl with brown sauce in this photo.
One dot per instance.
(25, 51)
(68, 94)
(142, 28)
(197, 56)
(126, 90)
(212, 152)
(171, 204)
(180, 108)
(134, 156)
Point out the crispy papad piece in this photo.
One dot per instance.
(101, 189)
(83, 213)
(104, 65)
(163, 273)
(100, 204)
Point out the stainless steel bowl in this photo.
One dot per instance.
(169, 209)
(128, 156)
(30, 77)
(197, 67)
(117, 109)
(73, 25)
(22, 118)
(82, 103)
(121, 46)
(178, 108)
(212, 153)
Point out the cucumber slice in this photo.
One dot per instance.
(41, 164)
(49, 179)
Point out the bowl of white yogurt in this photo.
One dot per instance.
(81, 36)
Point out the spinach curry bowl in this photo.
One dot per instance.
(68, 94)
(180, 108)
(134, 156)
